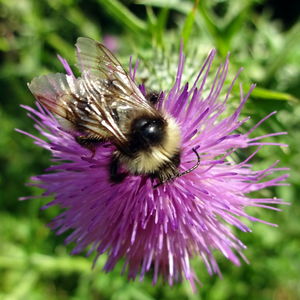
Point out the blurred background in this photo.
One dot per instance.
(263, 36)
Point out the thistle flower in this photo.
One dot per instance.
(163, 228)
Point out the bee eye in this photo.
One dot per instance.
(149, 131)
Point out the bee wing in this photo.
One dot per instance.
(68, 97)
(96, 61)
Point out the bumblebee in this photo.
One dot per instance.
(105, 105)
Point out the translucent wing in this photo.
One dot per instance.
(102, 101)
(96, 61)
(79, 108)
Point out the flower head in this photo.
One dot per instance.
(161, 227)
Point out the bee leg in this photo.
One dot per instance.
(115, 175)
(89, 142)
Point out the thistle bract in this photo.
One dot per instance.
(161, 228)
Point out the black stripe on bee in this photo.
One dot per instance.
(89, 141)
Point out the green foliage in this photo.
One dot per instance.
(34, 263)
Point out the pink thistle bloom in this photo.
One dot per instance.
(161, 227)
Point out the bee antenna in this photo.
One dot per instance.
(184, 172)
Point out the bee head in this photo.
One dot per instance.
(147, 132)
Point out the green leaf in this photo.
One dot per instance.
(290, 45)
(212, 26)
(232, 27)
(60, 45)
(87, 28)
(160, 25)
(120, 12)
(25, 286)
(178, 5)
(189, 22)
(210, 22)
(273, 95)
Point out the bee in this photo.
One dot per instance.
(105, 105)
